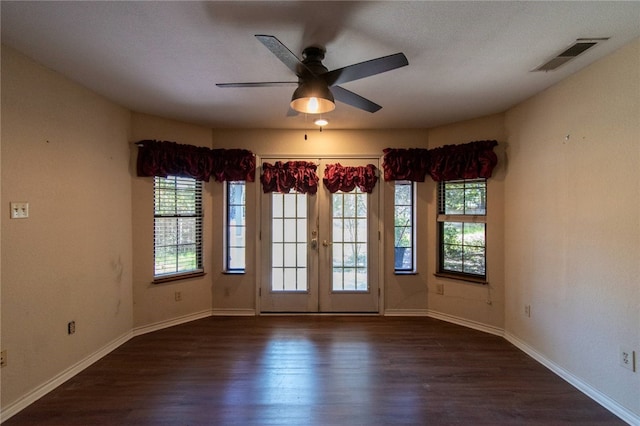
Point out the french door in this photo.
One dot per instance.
(319, 253)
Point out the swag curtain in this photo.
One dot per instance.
(341, 178)
(164, 158)
(282, 177)
(301, 176)
(466, 161)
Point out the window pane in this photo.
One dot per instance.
(361, 254)
(349, 231)
(235, 226)
(349, 258)
(177, 225)
(277, 230)
(337, 255)
(290, 254)
(236, 258)
(277, 255)
(473, 260)
(463, 247)
(302, 255)
(474, 234)
(463, 197)
(277, 204)
(361, 205)
(337, 230)
(403, 194)
(302, 230)
(349, 205)
(403, 226)
(290, 207)
(289, 242)
(290, 230)
(290, 281)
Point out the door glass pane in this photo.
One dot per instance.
(289, 242)
(349, 235)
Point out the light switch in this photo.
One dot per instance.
(19, 210)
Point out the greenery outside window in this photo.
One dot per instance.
(177, 228)
(235, 226)
(404, 227)
(462, 209)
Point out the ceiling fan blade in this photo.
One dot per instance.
(365, 69)
(355, 100)
(260, 84)
(283, 53)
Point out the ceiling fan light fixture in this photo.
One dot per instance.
(312, 98)
(321, 122)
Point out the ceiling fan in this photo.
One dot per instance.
(318, 87)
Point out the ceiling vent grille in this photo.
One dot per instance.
(579, 47)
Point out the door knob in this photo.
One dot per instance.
(326, 243)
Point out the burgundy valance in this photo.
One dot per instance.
(450, 162)
(164, 158)
(405, 164)
(341, 178)
(282, 177)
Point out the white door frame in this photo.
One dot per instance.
(260, 158)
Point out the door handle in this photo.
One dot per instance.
(326, 243)
(314, 243)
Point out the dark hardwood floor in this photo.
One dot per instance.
(316, 370)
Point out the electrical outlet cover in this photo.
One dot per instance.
(19, 210)
(628, 358)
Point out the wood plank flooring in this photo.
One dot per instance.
(316, 370)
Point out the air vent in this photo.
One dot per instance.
(579, 47)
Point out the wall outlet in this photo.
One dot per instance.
(19, 210)
(178, 296)
(527, 311)
(628, 358)
(440, 289)
(71, 327)
(3, 358)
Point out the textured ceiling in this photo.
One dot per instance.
(466, 59)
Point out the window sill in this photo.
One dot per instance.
(405, 272)
(471, 279)
(176, 277)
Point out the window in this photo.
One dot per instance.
(404, 214)
(177, 227)
(462, 228)
(235, 226)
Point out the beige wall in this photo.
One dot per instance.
(563, 224)
(572, 223)
(231, 293)
(483, 304)
(406, 293)
(156, 303)
(65, 152)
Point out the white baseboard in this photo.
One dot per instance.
(138, 331)
(602, 399)
(234, 312)
(406, 312)
(466, 323)
(48, 386)
(40, 391)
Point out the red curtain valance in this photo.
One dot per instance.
(282, 177)
(341, 178)
(405, 164)
(164, 158)
(450, 162)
